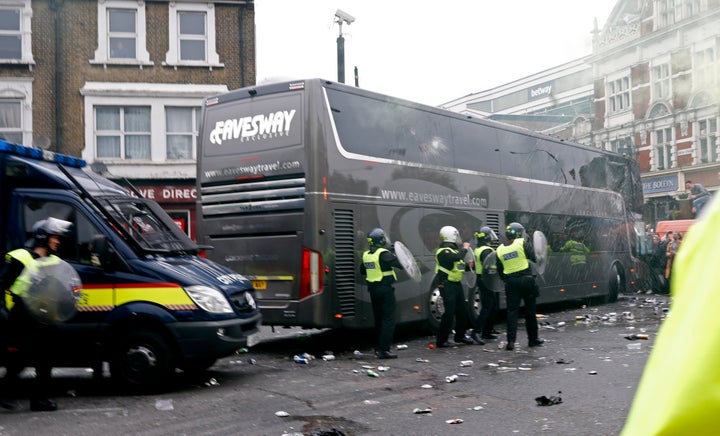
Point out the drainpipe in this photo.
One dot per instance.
(241, 45)
(55, 7)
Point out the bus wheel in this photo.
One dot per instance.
(436, 308)
(142, 360)
(616, 284)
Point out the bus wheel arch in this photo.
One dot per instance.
(616, 282)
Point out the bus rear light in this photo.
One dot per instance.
(416, 308)
(310, 277)
(338, 316)
(594, 286)
(632, 270)
(203, 254)
(562, 289)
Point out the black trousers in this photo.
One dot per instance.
(33, 344)
(383, 305)
(489, 308)
(455, 310)
(517, 289)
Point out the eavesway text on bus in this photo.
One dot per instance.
(253, 127)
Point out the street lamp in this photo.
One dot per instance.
(340, 18)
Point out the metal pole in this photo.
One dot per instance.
(341, 58)
(357, 78)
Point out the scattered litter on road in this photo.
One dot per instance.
(570, 369)
(476, 408)
(454, 421)
(328, 357)
(252, 361)
(383, 368)
(421, 360)
(164, 405)
(466, 363)
(281, 414)
(451, 378)
(634, 346)
(426, 386)
(371, 402)
(241, 350)
(212, 382)
(401, 347)
(592, 372)
(524, 368)
(548, 401)
(372, 373)
(563, 361)
(634, 337)
(419, 411)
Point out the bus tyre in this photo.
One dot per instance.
(436, 308)
(142, 360)
(616, 284)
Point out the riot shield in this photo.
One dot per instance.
(407, 260)
(540, 246)
(490, 277)
(52, 293)
(469, 277)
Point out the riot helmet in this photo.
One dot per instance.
(378, 238)
(514, 231)
(485, 235)
(450, 234)
(46, 228)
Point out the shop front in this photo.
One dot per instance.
(176, 197)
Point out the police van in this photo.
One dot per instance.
(150, 302)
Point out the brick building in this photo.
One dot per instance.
(648, 90)
(120, 83)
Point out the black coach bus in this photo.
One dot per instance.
(292, 175)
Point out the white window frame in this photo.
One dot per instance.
(102, 56)
(25, 32)
(704, 68)
(172, 57)
(666, 147)
(192, 133)
(618, 95)
(706, 140)
(665, 11)
(121, 133)
(20, 89)
(157, 96)
(660, 75)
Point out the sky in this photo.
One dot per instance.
(426, 51)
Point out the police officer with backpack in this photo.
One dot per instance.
(32, 339)
(489, 299)
(377, 267)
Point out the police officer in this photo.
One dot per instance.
(30, 337)
(449, 268)
(377, 267)
(577, 249)
(514, 268)
(489, 299)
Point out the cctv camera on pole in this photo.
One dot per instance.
(340, 18)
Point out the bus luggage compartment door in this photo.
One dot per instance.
(271, 262)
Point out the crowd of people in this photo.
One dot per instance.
(451, 262)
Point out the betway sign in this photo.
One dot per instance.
(539, 91)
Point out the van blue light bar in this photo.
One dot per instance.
(36, 153)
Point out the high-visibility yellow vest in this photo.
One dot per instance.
(513, 256)
(22, 283)
(578, 252)
(478, 262)
(679, 392)
(454, 274)
(373, 272)
(25, 257)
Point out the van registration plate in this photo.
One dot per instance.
(259, 285)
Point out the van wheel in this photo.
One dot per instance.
(142, 360)
(616, 284)
(436, 308)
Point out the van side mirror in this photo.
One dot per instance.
(101, 253)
